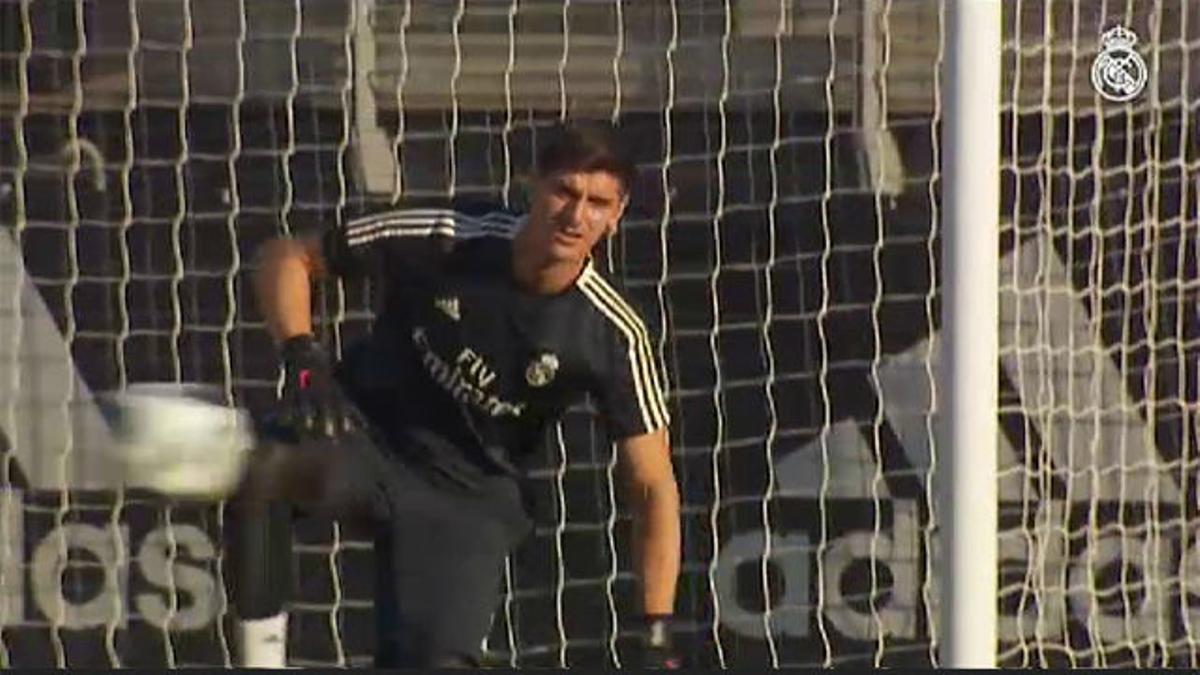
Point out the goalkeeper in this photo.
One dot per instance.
(492, 324)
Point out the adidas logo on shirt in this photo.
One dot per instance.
(449, 307)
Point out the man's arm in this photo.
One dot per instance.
(392, 242)
(654, 497)
(283, 282)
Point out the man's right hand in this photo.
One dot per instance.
(313, 403)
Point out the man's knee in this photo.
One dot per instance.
(286, 472)
(327, 476)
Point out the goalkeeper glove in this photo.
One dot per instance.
(657, 649)
(313, 403)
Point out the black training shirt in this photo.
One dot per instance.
(469, 357)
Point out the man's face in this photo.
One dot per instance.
(572, 210)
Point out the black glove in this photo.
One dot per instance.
(313, 403)
(657, 649)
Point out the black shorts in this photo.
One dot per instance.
(440, 546)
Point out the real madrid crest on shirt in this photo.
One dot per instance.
(1119, 73)
(540, 371)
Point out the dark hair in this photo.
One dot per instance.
(587, 147)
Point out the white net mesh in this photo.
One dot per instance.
(1099, 335)
(782, 243)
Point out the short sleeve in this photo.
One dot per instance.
(408, 237)
(629, 379)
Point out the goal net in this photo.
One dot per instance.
(783, 242)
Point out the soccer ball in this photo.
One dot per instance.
(179, 439)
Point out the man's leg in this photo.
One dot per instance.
(334, 477)
(440, 565)
(347, 476)
(259, 553)
(440, 550)
(295, 473)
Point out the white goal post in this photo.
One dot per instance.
(971, 279)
